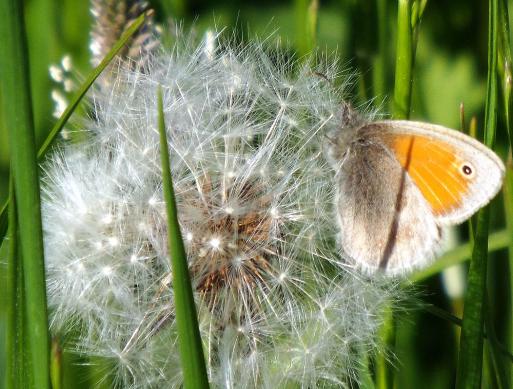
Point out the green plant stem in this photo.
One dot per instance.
(381, 60)
(312, 24)
(496, 241)
(506, 76)
(384, 377)
(470, 361)
(508, 208)
(189, 339)
(306, 13)
(444, 315)
(404, 61)
(504, 65)
(56, 364)
(402, 100)
(15, 352)
(17, 109)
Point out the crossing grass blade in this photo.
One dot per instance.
(462, 253)
(59, 125)
(189, 339)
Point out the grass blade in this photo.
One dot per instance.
(508, 207)
(306, 25)
(405, 55)
(470, 361)
(17, 110)
(56, 364)
(380, 68)
(56, 129)
(404, 61)
(189, 339)
(506, 76)
(496, 241)
(87, 84)
(15, 356)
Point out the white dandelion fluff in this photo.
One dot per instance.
(276, 305)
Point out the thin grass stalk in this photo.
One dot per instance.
(97, 366)
(189, 339)
(404, 61)
(56, 364)
(312, 24)
(496, 366)
(365, 378)
(17, 110)
(470, 361)
(449, 317)
(15, 361)
(384, 378)
(508, 208)
(462, 253)
(505, 63)
(306, 13)
(380, 68)
(77, 98)
(402, 101)
(174, 8)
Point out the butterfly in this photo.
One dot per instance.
(399, 182)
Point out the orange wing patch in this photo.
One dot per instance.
(435, 168)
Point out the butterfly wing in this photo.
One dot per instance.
(455, 173)
(385, 221)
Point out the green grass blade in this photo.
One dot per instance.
(506, 76)
(312, 24)
(189, 339)
(384, 377)
(15, 362)
(306, 25)
(3, 221)
(470, 361)
(17, 110)
(449, 317)
(508, 207)
(496, 241)
(87, 84)
(56, 364)
(504, 64)
(56, 129)
(380, 68)
(496, 365)
(404, 61)
(402, 100)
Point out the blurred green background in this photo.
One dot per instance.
(450, 69)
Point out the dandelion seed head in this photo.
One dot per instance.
(276, 304)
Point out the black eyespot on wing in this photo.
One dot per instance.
(467, 170)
